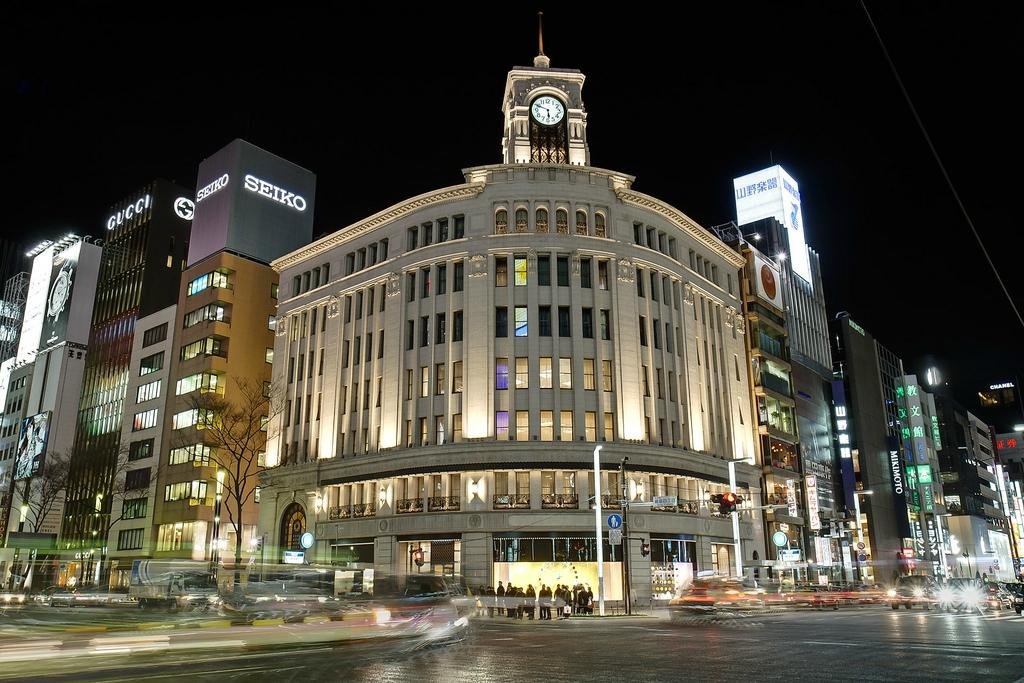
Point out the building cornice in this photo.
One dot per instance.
(388, 215)
(480, 173)
(682, 221)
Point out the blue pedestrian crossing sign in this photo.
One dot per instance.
(614, 522)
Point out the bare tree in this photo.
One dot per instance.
(113, 509)
(41, 492)
(234, 427)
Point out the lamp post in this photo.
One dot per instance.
(736, 516)
(598, 530)
(860, 529)
(626, 592)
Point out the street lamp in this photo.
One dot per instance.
(736, 516)
(598, 530)
(860, 529)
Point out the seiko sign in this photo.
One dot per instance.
(278, 194)
(129, 212)
(217, 185)
(897, 472)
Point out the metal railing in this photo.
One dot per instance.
(363, 510)
(557, 501)
(403, 505)
(443, 503)
(512, 501)
(340, 512)
(611, 502)
(684, 507)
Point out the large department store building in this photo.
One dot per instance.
(444, 369)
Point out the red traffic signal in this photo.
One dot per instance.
(417, 557)
(727, 502)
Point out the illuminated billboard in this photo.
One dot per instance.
(32, 445)
(769, 283)
(773, 193)
(251, 202)
(58, 300)
(35, 305)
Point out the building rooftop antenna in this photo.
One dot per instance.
(541, 61)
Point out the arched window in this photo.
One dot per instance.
(562, 221)
(581, 222)
(599, 228)
(542, 220)
(293, 525)
(522, 220)
(501, 221)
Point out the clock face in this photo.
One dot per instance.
(59, 294)
(547, 111)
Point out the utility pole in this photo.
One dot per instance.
(625, 537)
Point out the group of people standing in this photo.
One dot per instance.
(516, 602)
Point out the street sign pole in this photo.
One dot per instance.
(598, 530)
(625, 534)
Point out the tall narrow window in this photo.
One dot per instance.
(606, 324)
(459, 230)
(587, 323)
(563, 271)
(581, 222)
(439, 379)
(542, 220)
(565, 373)
(607, 380)
(599, 227)
(457, 377)
(545, 373)
(456, 281)
(522, 329)
(544, 271)
(609, 427)
(501, 221)
(424, 381)
(562, 221)
(585, 273)
(501, 373)
(522, 220)
(643, 331)
(547, 425)
(519, 264)
(440, 330)
(522, 425)
(544, 321)
(457, 326)
(565, 425)
(500, 271)
(501, 425)
(522, 373)
(442, 280)
(588, 374)
(501, 321)
(564, 326)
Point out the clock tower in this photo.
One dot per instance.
(545, 122)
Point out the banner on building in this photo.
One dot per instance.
(811, 489)
(32, 445)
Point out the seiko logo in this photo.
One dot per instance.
(131, 211)
(278, 194)
(215, 186)
(897, 474)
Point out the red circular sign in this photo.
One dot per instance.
(768, 281)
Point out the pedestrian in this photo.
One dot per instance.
(560, 601)
(489, 600)
(531, 600)
(500, 593)
(545, 602)
(590, 600)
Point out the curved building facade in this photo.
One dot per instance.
(444, 369)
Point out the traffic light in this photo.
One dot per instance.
(417, 556)
(728, 502)
(645, 548)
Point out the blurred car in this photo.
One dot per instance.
(86, 597)
(913, 590)
(863, 594)
(713, 594)
(12, 598)
(421, 605)
(1016, 593)
(964, 594)
(802, 596)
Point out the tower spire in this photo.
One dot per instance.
(541, 61)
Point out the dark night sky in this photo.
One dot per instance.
(382, 105)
